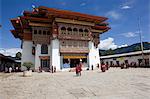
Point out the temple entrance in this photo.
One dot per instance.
(71, 60)
(74, 62)
(45, 63)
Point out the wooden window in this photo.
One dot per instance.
(80, 44)
(44, 32)
(63, 30)
(86, 31)
(81, 32)
(63, 43)
(44, 49)
(69, 31)
(70, 43)
(48, 32)
(75, 44)
(85, 44)
(40, 32)
(75, 31)
(35, 31)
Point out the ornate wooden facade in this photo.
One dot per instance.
(43, 24)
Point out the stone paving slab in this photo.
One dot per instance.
(116, 83)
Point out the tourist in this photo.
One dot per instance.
(92, 67)
(54, 69)
(122, 65)
(98, 66)
(10, 69)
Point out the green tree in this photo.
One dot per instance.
(28, 65)
(137, 48)
(18, 55)
(110, 52)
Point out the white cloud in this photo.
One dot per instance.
(127, 4)
(124, 45)
(107, 44)
(125, 7)
(130, 34)
(113, 14)
(10, 52)
(83, 4)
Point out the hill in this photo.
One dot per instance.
(131, 48)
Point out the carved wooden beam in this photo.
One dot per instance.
(74, 21)
(39, 24)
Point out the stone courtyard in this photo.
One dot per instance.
(116, 83)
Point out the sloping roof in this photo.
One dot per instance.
(6, 57)
(126, 54)
(71, 14)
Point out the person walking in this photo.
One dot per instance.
(92, 67)
(80, 69)
(77, 70)
(103, 67)
(52, 70)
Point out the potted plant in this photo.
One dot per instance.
(28, 65)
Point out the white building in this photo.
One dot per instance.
(59, 38)
(131, 58)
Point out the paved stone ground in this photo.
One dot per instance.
(132, 83)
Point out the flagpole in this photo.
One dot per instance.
(141, 43)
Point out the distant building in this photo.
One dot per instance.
(133, 59)
(59, 38)
(8, 61)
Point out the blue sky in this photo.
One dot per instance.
(123, 18)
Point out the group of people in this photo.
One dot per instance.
(52, 69)
(78, 68)
(12, 69)
(124, 66)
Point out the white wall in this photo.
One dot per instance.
(93, 57)
(55, 54)
(37, 54)
(27, 53)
